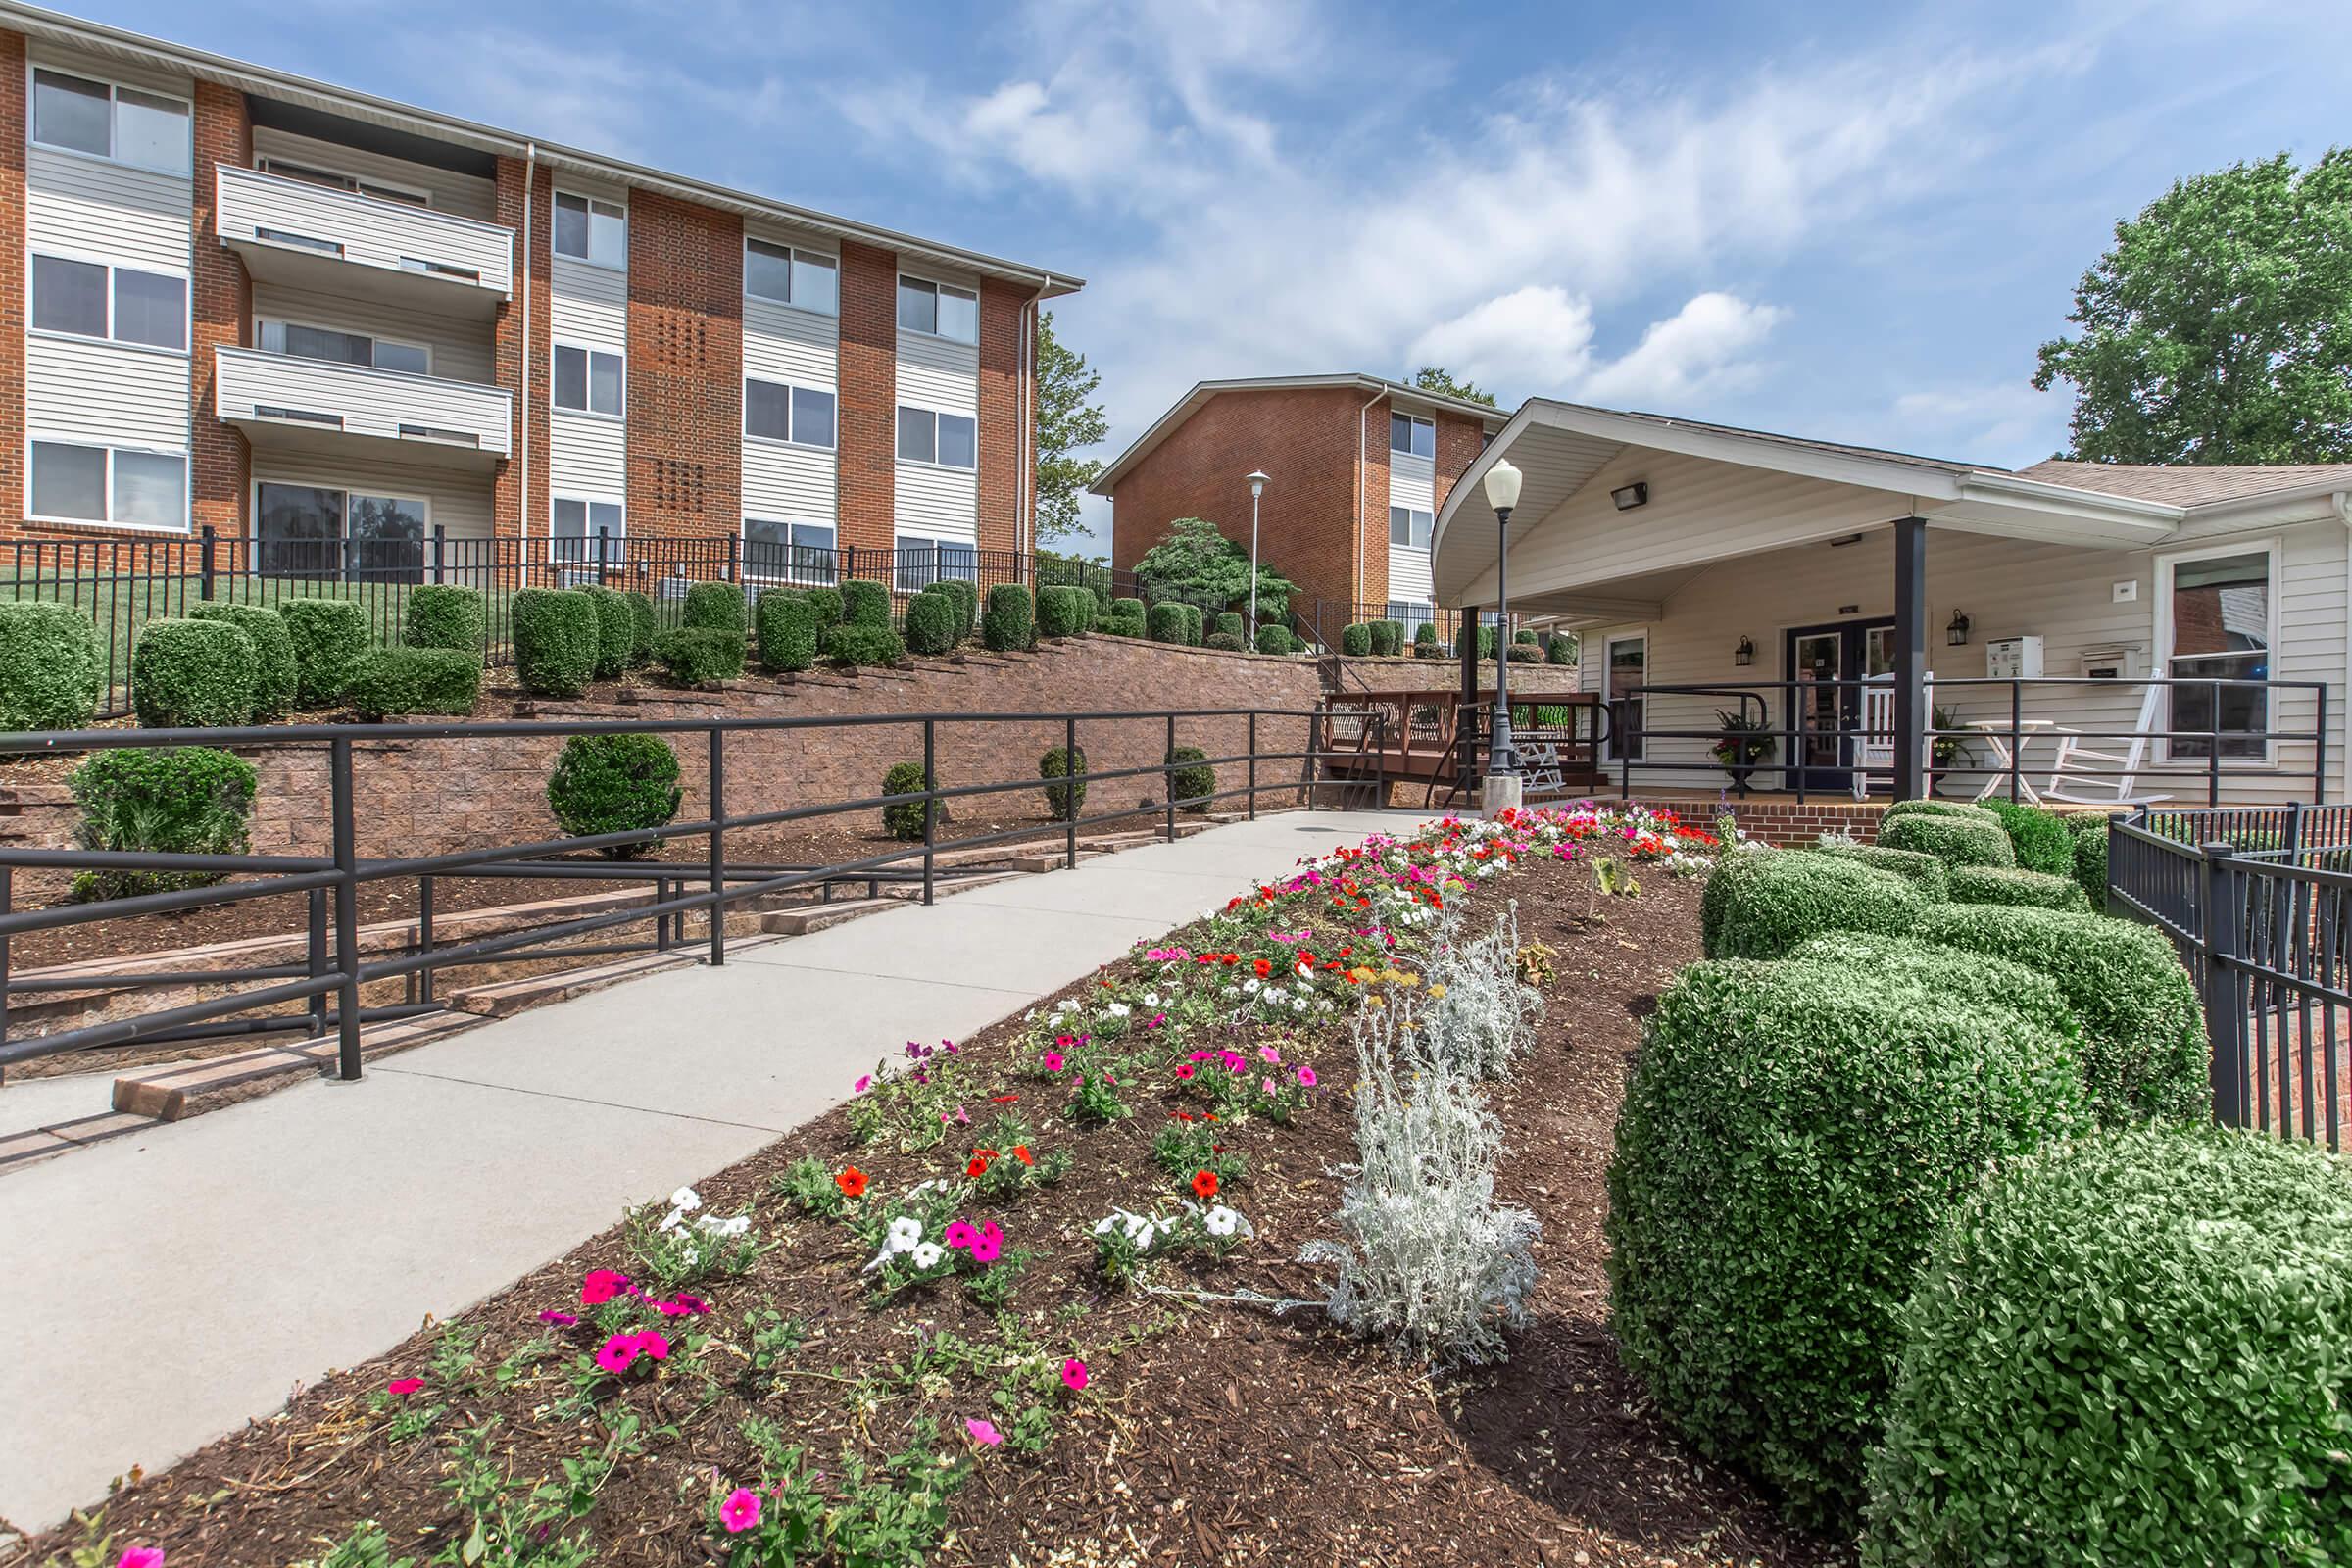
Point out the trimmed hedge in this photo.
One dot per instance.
(1425, 641)
(1524, 634)
(1229, 622)
(1007, 625)
(1932, 807)
(2000, 884)
(1355, 639)
(966, 596)
(1165, 621)
(1128, 617)
(175, 799)
(719, 607)
(1225, 643)
(2038, 838)
(613, 783)
(698, 656)
(1194, 781)
(1388, 638)
(441, 616)
(1923, 871)
(785, 624)
(616, 631)
(1524, 654)
(1761, 902)
(274, 676)
(1064, 611)
(2090, 829)
(904, 819)
(864, 603)
(193, 674)
(1559, 649)
(329, 636)
(930, 624)
(827, 601)
(1791, 1137)
(390, 682)
(1956, 841)
(1196, 625)
(557, 640)
(1968, 978)
(1064, 800)
(1273, 639)
(49, 666)
(863, 646)
(2133, 1348)
(642, 625)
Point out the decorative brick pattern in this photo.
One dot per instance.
(868, 376)
(685, 377)
(514, 514)
(221, 461)
(1003, 446)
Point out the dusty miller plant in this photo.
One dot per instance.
(1481, 1016)
(1430, 1261)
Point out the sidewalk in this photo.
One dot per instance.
(164, 1289)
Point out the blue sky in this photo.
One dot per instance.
(1849, 220)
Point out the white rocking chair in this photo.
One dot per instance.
(1875, 752)
(2111, 775)
(1542, 774)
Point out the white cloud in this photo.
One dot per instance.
(2003, 421)
(1540, 335)
(1697, 350)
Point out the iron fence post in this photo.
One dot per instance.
(735, 558)
(2219, 938)
(931, 805)
(2319, 752)
(8, 898)
(347, 907)
(440, 550)
(204, 590)
(1253, 765)
(1168, 767)
(2213, 745)
(424, 936)
(718, 834)
(1069, 799)
(316, 913)
(2017, 696)
(604, 547)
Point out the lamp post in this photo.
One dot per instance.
(1258, 487)
(1502, 759)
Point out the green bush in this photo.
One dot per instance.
(1008, 624)
(1791, 1135)
(442, 616)
(1196, 625)
(1194, 781)
(616, 631)
(1128, 617)
(965, 597)
(864, 603)
(193, 674)
(1761, 902)
(1273, 640)
(826, 602)
(1064, 611)
(642, 626)
(2090, 829)
(2038, 839)
(1969, 978)
(1525, 654)
(1425, 641)
(863, 646)
(274, 676)
(328, 635)
(1388, 638)
(614, 784)
(1228, 621)
(1224, 643)
(1165, 621)
(719, 607)
(2131, 1348)
(1064, 800)
(1559, 649)
(1355, 639)
(905, 818)
(1524, 634)
(49, 666)
(698, 656)
(2001, 884)
(391, 682)
(557, 639)
(1956, 841)
(1958, 809)
(786, 627)
(930, 624)
(1923, 871)
(175, 799)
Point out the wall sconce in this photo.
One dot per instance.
(1745, 654)
(1630, 496)
(1956, 634)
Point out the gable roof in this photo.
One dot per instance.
(2189, 485)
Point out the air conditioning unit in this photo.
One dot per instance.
(2013, 658)
(2120, 662)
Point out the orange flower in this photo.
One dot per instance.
(1020, 1152)
(852, 1182)
(1204, 1183)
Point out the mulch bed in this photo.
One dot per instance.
(1212, 1432)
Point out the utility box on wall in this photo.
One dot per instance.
(2111, 664)
(2013, 658)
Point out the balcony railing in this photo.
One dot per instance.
(311, 236)
(287, 402)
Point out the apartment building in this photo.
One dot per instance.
(291, 314)
(1356, 468)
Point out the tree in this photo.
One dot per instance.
(1437, 378)
(1066, 423)
(2218, 329)
(1196, 564)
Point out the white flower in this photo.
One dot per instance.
(685, 1200)
(1252, 985)
(926, 1254)
(905, 1231)
(1145, 1237)
(712, 1225)
(1152, 999)
(1221, 1221)
(1106, 1224)
(1305, 968)
(1118, 1010)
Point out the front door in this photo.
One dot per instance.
(1822, 707)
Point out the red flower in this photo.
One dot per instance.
(852, 1182)
(1262, 967)
(1204, 1183)
(1020, 1152)
(601, 1285)
(977, 1168)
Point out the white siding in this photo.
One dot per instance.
(1408, 572)
(462, 351)
(1412, 481)
(460, 195)
(937, 502)
(787, 483)
(782, 344)
(936, 373)
(459, 503)
(369, 401)
(105, 392)
(86, 207)
(588, 456)
(385, 235)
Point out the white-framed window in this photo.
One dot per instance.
(1624, 669)
(119, 304)
(928, 435)
(131, 487)
(306, 341)
(795, 551)
(589, 380)
(2217, 619)
(123, 124)
(591, 231)
(574, 523)
(941, 310)
(775, 412)
(1412, 435)
(786, 274)
(339, 532)
(337, 180)
(1408, 527)
(922, 562)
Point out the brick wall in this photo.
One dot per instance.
(512, 514)
(1460, 440)
(685, 375)
(12, 280)
(1372, 547)
(220, 459)
(869, 375)
(1003, 445)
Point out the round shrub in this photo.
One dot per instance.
(1273, 640)
(2038, 839)
(827, 601)
(1007, 625)
(864, 603)
(863, 646)
(1128, 617)
(1355, 639)
(613, 784)
(787, 630)
(193, 674)
(1063, 612)
(1760, 903)
(441, 616)
(965, 597)
(903, 820)
(1225, 643)
(175, 799)
(391, 682)
(1196, 625)
(2090, 829)
(1923, 871)
(1193, 782)
(1559, 649)
(1424, 640)
(1229, 622)
(1953, 840)
(930, 624)
(1969, 978)
(2000, 884)
(49, 666)
(1525, 654)
(1932, 807)
(1165, 621)
(700, 656)
(1790, 1138)
(642, 625)
(1388, 638)
(719, 607)
(1064, 800)
(616, 631)
(557, 639)
(329, 636)
(1524, 634)
(2130, 1348)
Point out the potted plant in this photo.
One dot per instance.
(1745, 744)
(1945, 751)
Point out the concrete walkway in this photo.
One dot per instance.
(164, 1289)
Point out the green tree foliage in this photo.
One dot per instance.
(1437, 378)
(1067, 421)
(1196, 564)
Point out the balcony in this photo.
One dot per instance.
(321, 407)
(308, 236)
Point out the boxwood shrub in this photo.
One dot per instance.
(193, 674)
(2038, 838)
(863, 646)
(2000, 884)
(1226, 643)
(1791, 1135)
(557, 640)
(616, 631)
(1229, 622)
(1931, 807)
(786, 626)
(1273, 639)
(698, 656)
(1194, 781)
(642, 626)
(1761, 902)
(612, 784)
(2090, 829)
(390, 682)
(329, 636)
(827, 601)
(864, 603)
(2130, 1348)
(1064, 800)
(965, 597)
(1559, 649)
(1128, 617)
(719, 607)
(1007, 625)
(930, 624)
(1195, 624)
(1165, 621)
(1970, 978)
(1425, 641)
(1355, 639)
(903, 820)
(273, 678)
(1388, 638)
(1923, 871)
(49, 666)
(176, 799)
(443, 616)
(1953, 840)
(1064, 611)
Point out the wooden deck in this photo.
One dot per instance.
(1435, 740)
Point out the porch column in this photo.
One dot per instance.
(1910, 656)
(1466, 720)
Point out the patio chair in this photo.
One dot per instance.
(1542, 770)
(1875, 752)
(2110, 775)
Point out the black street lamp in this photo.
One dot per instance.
(1502, 494)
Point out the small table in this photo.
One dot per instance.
(1996, 733)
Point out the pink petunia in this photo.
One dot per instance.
(1184, 1069)
(1306, 1077)
(983, 1432)
(1269, 1054)
(1073, 1373)
(988, 1243)
(141, 1557)
(1052, 1062)
(653, 1345)
(741, 1510)
(404, 1385)
(618, 1354)
(563, 1319)
(959, 1233)
(1266, 1086)
(601, 1285)
(862, 1084)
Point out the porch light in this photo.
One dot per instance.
(1630, 496)
(1503, 486)
(1956, 634)
(1745, 654)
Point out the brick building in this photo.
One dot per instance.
(292, 313)
(1356, 468)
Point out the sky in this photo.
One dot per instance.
(1855, 222)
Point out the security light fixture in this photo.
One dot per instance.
(1630, 496)
(1956, 634)
(1745, 654)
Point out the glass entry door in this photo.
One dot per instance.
(1822, 712)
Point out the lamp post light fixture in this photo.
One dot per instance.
(1956, 634)
(1502, 758)
(1258, 487)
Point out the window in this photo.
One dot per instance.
(1628, 670)
(774, 412)
(588, 380)
(790, 276)
(1409, 528)
(923, 562)
(575, 523)
(124, 123)
(343, 348)
(2218, 612)
(110, 484)
(91, 300)
(950, 440)
(800, 551)
(326, 531)
(335, 180)
(938, 309)
(1415, 438)
(592, 232)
